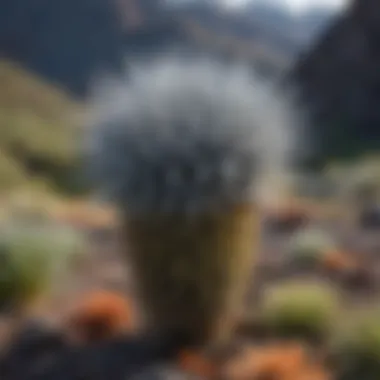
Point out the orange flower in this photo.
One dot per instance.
(313, 373)
(282, 362)
(338, 261)
(100, 316)
(196, 364)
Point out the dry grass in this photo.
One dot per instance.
(37, 122)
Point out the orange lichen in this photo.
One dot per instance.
(313, 373)
(338, 261)
(280, 362)
(101, 315)
(275, 361)
(197, 364)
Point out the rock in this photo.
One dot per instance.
(34, 349)
(32, 358)
(369, 217)
(339, 81)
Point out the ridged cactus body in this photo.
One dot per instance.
(195, 270)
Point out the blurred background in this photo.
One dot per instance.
(326, 229)
(51, 52)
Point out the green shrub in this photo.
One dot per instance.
(38, 133)
(32, 259)
(308, 247)
(356, 348)
(70, 245)
(300, 310)
(12, 175)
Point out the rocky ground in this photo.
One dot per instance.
(104, 269)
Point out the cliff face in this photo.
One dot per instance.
(339, 81)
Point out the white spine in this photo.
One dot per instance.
(186, 137)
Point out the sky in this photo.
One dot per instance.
(300, 5)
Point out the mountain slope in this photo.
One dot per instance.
(68, 42)
(339, 81)
(37, 137)
(288, 31)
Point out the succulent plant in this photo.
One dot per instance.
(303, 310)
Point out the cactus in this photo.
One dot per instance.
(300, 310)
(181, 149)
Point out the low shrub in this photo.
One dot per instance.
(33, 258)
(356, 348)
(300, 310)
(308, 247)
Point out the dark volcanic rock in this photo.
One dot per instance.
(69, 42)
(40, 354)
(35, 348)
(339, 81)
(369, 218)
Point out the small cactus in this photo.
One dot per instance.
(300, 310)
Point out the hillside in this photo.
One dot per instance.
(69, 42)
(37, 137)
(288, 32)
(339, 81)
